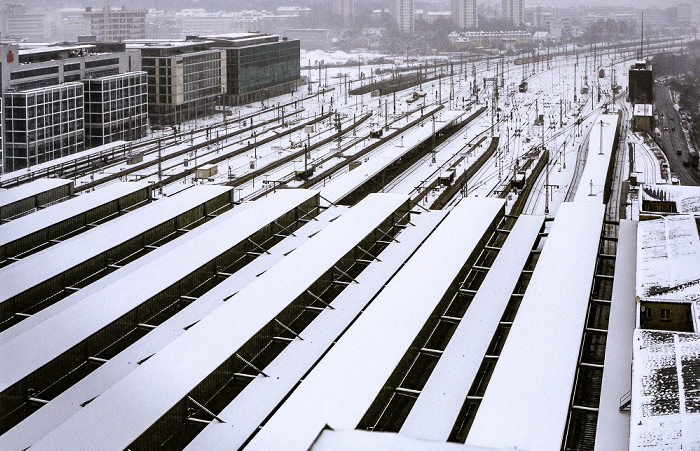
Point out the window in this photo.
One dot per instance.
(646, 312)
(665, 314)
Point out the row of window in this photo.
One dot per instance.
(44, 109)
(664, 314)
(100, 63)
(44, 133)
(17, 75)
(24, 99)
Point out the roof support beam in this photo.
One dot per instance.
(288, 329)
(257, 245)
(251, 365)
(345, 274)
(318, 298)
(205, 410)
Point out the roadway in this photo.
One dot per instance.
(672, 136)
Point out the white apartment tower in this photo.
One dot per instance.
(403, 12)
(464, 13)
(513, 11)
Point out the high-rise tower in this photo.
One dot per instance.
(464, 13)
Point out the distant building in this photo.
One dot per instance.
(344, 8)
(685, 13)
(403, 14)
(311, 38)
(512, 11)
(470, 39)
(30, 26)
(186, 79)
(258, 66)
(641, 83)
(116, 25)
(43, 111)
(464, 14)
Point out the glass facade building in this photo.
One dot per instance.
(184, 81)
(43, 124)
(260, 71)
(116, 108)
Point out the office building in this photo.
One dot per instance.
(403, 14)
(43, 97)
(512, 11)
(464, 14)
(116, 108)
(258, 66)
(116, 25)
(42, 124)
(186, 79)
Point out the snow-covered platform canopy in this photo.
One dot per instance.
(527, 400)
(437, 407)
(253, 405)
(26, 232)
(62, 407)
(173, 374)
(88, 325)
(28, 196)
(598, 160)
(52, 270)
(343, 385)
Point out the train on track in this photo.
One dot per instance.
(532, 59)
(523, 87)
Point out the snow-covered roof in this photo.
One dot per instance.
(343, 385)
(123, 412)
(65, 405)
(665, 410)
(30, 189)
(42, 266)
(667, 262)
(353, 440)
(686, 198)
(527, 400)
(435, 411)
(595, 173)
(612, 430)
(55, 214)
(36, 347)
(642, 109)
(252, 406)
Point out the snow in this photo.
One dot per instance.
(80, 321)
(69, 402)
(67, 160)
(250, 408)
(437, 407)
(527, 399)
(339, 187)
(353, 440)
(71, 208)
(665, 413)
(340, 389)
(686, 198)
(126, 410)
(598, 160)
(337, 57)
(669, 251)
(54, 261)
(612, 431)
(30, 189)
